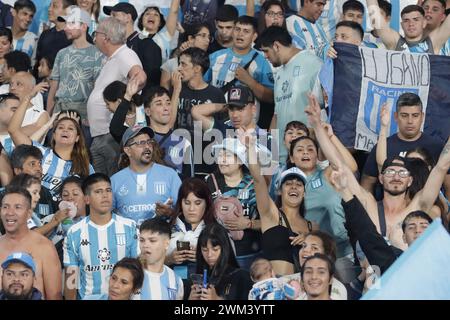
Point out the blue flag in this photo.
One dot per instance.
(365, 78)
(421, 273)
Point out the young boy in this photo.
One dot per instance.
(160, 282)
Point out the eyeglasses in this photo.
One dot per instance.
(204, 35)
(95, 33)
(141, 143)
(275, 14)
(403, 173)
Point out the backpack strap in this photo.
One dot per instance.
(381, 218)
(219, 193)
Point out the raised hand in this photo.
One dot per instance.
(338, 179)
(385, 114)
(328, 128)
(132, 87)
(313, 111)
(39, 88)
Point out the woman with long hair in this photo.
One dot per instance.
(216, 261)
(67, 155)
(193, 211)
(283, 222)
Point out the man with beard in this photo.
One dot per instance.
(18, 278)
(409, 117)
(76, 67)
(95, 244)
(15, 212)
(144, 189)
(414, 23)
(388, 214)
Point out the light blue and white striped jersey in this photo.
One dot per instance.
(330, 17)
(223, 65)
(445, 51)
(306, 35)
(54, 169)
(96, 249)
(26, 44)
(135, 195)
(7, 143)
(241, 6)
(161, 286)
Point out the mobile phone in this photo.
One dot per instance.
(183, 245)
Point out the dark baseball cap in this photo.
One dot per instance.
(133, 131)
(395, 161)
(239, 97)
(122, 7)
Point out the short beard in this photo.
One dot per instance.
(23, 296)
(395, 192)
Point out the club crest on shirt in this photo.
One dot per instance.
(120, 239)
(174, 152)
(233, 66)
(316, 183)
(159, 187)
(123, 191)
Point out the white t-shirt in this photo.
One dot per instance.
(117, 67)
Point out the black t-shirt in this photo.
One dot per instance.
(50, 42)
(190, 97)
(150, 55)
(396, 146)
(235, 284)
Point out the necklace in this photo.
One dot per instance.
(141, 182)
